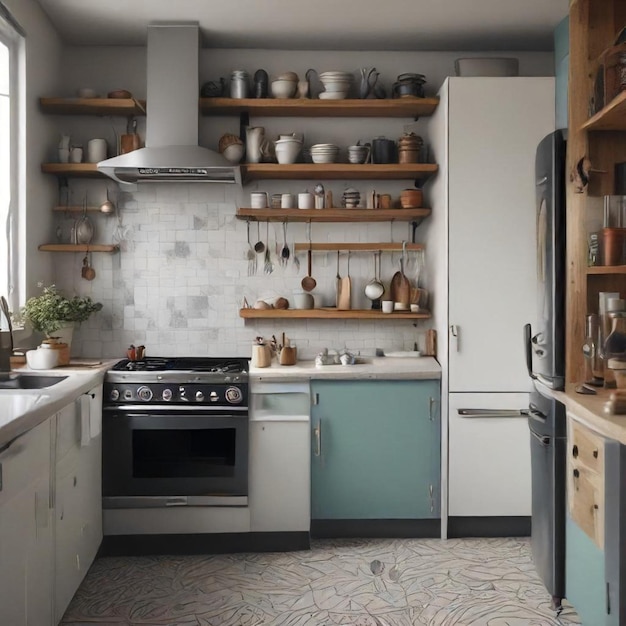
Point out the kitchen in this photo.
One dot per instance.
(180, 278)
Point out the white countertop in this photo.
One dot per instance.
(23, 409)
(377, 368)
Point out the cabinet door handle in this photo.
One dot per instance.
(455, 331)
(317, 432)
(492, 413)
(431, 405)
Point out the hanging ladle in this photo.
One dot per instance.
(87, 272)
(259, 246)
(107, 206)
(308, 282)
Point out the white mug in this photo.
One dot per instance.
(76, 155)
(305, 200)
(286, 201)
(387, 306)
(258, 200)
(96, 150)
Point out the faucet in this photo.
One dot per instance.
(6, 351)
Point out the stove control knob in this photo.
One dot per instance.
(183, 394)
(128, 394)
(214, 397)
(234, 395)
(144, 393)
(167, 395)
(199, 396)
(114, 395)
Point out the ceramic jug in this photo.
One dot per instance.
(255, 136)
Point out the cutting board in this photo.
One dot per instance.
(344, 288)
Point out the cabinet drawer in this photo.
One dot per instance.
(585, 498)
(585, 447)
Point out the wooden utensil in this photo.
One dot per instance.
(337, 282)
(345, 288)
(308, 282)
(403, 292)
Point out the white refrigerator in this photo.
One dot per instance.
(484, 136)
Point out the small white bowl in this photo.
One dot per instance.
(42, 359)
(284, 88)
(233, 153)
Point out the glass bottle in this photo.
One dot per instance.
(615, 344)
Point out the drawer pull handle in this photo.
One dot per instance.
(575, 451)
(576, 473)
(595, 454)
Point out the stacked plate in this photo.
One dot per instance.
(324, 153)
(336, 85)
(351, 198)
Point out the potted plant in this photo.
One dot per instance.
(51, 311)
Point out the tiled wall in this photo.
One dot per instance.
(181, 277)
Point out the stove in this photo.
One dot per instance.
(175, 433)
(175, 381)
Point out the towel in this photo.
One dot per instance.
(95, 415)
(84, 402)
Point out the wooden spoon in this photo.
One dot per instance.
(345, 288)
(308, 282)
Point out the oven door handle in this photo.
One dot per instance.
(131, 409)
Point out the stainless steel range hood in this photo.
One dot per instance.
(172, 153)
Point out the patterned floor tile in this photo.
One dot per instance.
(389, 582)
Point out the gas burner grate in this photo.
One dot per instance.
(188, 364)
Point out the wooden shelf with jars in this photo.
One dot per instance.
(594, 27)
(337, 171)
(332, 215)
(78, 247)
(304, 107)
(93, 106)
(331, 313)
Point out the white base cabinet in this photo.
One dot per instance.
(489, 467)
(280, 468)
(50, 513)
(26, 539)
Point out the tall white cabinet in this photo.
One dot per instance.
(484, 136)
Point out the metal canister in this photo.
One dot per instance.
(239, 84)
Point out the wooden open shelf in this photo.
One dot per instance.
(78, 209)
(92, 106)
(331, 314)
(611, 117)
(79, 170)
(331, 215)
(304, 107)
(337, 171)
(607, 269)
(386, 246)
(79, 247)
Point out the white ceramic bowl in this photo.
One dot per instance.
(333, 95)
(284, 88)
(287, 151)
(233, 153)
(333, 86)
(42, 359)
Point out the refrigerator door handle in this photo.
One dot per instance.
(529, 350)
(455, 331)
(475, 413)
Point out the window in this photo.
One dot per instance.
(10, 45)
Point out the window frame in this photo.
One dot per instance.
(12, 36)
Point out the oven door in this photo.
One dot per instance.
(174, 458)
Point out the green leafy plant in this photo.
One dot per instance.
(51, 310)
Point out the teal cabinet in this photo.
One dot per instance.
(585, 585)
(375, 449)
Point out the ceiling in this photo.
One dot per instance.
(319, 24)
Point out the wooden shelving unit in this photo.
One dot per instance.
(71, 247)
(331, 314)
(77, 170)
(304, 107)
(337, 171)
(611, 117)
(332, 215)
(606, 269)
(92, 106)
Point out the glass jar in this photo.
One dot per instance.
(615, 344)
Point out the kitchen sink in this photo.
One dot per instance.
(30, 381)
